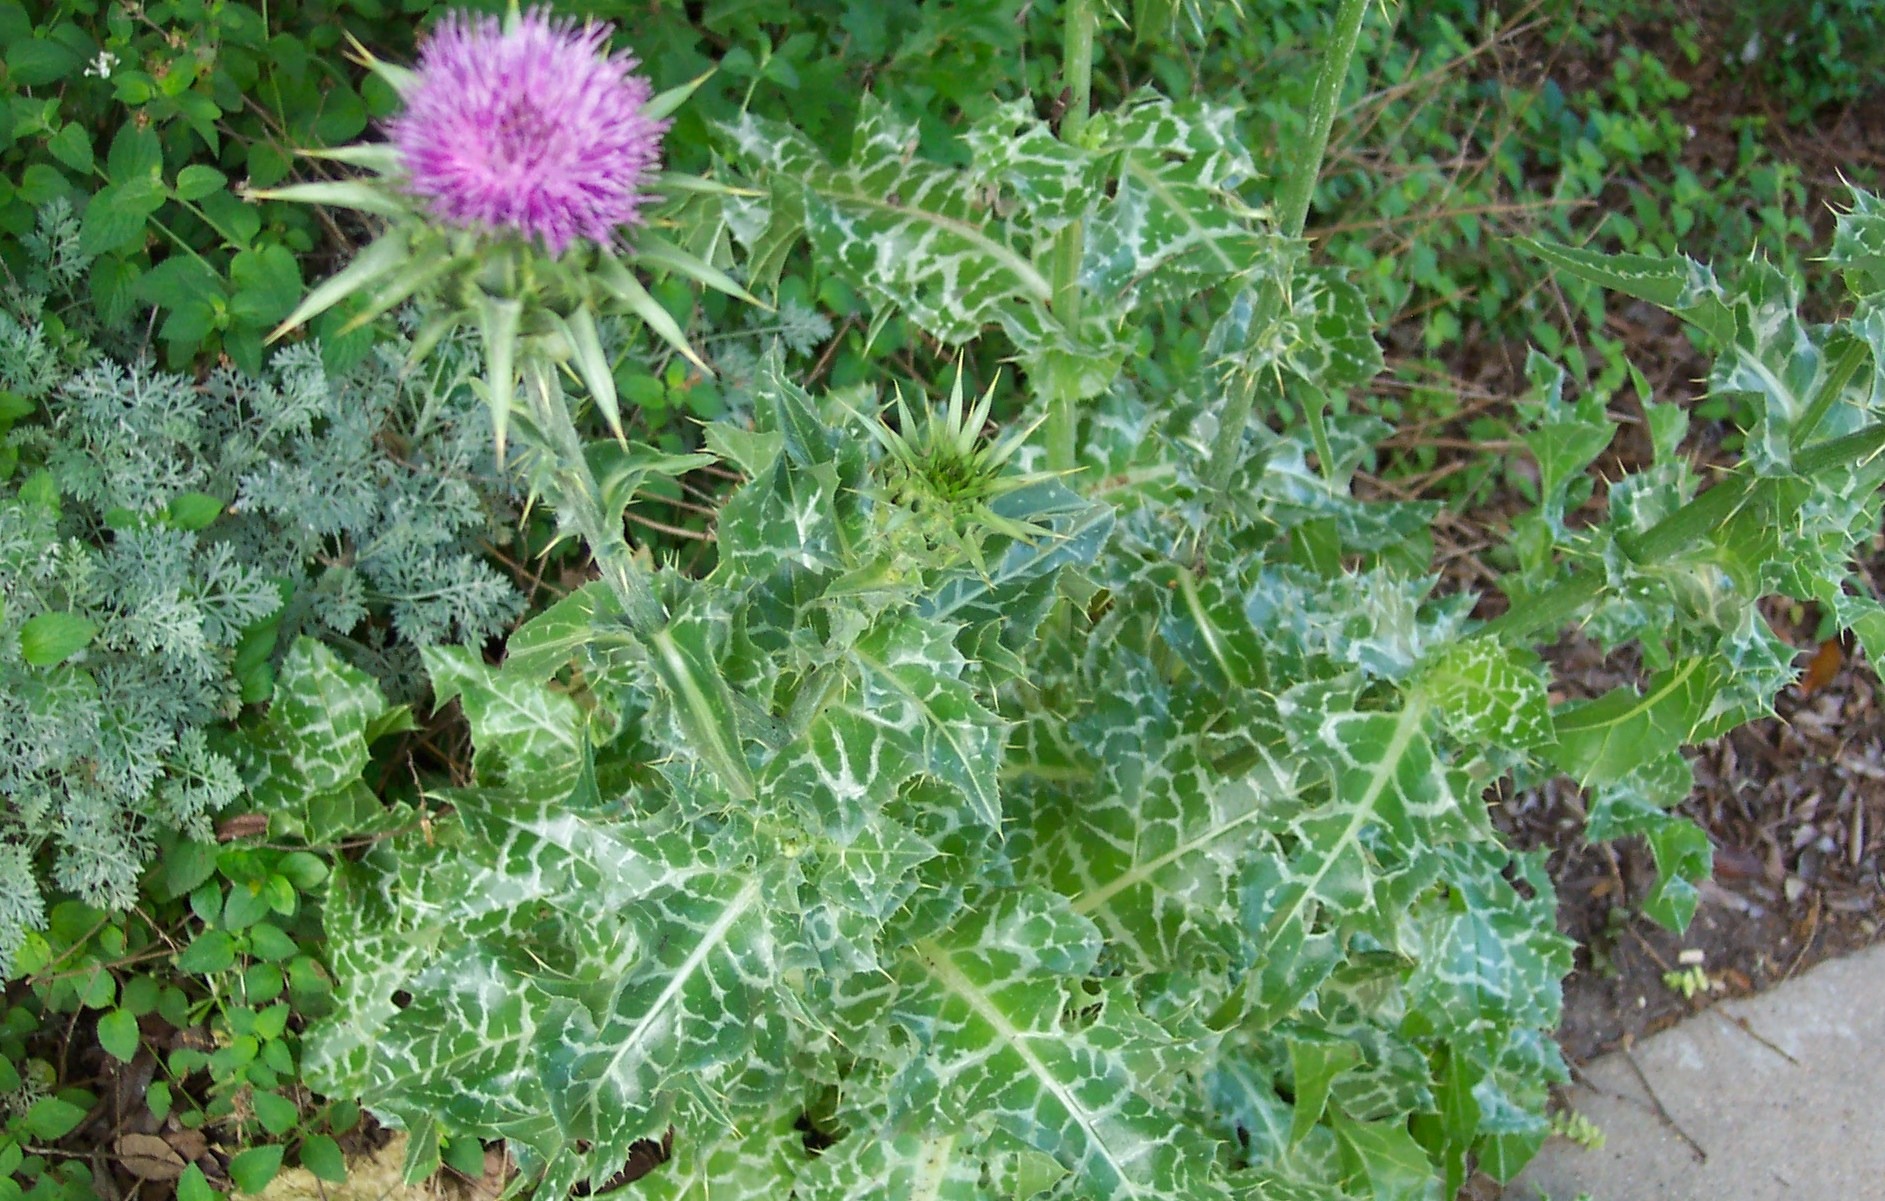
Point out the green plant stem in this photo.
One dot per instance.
(1300, 185)
(580, 500)
(1561, 603)
(1853, 357)
(1292, 217)
(1063, 417)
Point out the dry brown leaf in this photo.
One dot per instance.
(1821, 669)
(189, 1143)
(148, 1157)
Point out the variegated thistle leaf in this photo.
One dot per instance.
(801, 506)
(520, 728)
(959, 249)
(570, 975)
(688, 1008)
(932, 1168)
(1052, 182)
(569, 979)
(762, 1160)
(1008, 1034)
(896, 707)
(1175, 222)
(1143, 836)
(913, 234)
(1392, 798)
(303, 762)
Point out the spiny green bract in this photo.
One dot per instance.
(943, 478)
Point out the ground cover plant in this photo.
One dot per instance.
(1089, 807)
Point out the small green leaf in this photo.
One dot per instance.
(99, 990)
(247, 905)
(37, 61)
(343, 116)
(277, 1113)
(13, 406)
(280, 895)
(267, 942)
(210, 951)
(190, 323)
(72, 147)
(51, 638)
(321, 1156)
(191, 1186)
(267, 282)
(270, 1022)
(52, 1118)
(252, 1169)
(262, 983)
(304, 869)
(118, 1035)
(139, 995)
(193, 510)
(157, 1099)
(183, 868)
(198, 180)
(136, 155)
(206, 901)
(465, 1156)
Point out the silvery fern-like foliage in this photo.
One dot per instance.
(311, 470)
(54, 261)
(164, 524)
(103, 746)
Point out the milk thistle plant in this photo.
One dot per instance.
(1142, 852)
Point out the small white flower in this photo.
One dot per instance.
(102, 65)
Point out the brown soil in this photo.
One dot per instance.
(1795, 807)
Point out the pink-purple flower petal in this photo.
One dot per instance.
(537, 131)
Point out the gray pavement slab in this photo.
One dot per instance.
(1776, 1097)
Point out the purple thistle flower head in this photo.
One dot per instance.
(534, 129)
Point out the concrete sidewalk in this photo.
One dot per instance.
(1778, 1097)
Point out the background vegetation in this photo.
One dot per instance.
(191, 524)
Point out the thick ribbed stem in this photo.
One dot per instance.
(1292, 216)
(1564, 601)
(1063, 414)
